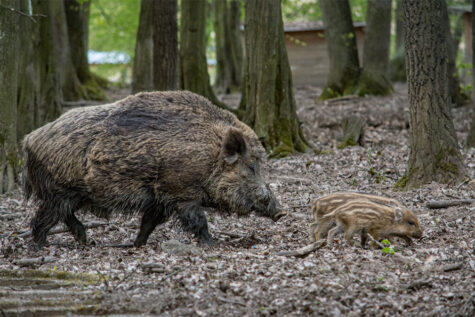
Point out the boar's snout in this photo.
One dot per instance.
(417, 234)
(268, 205)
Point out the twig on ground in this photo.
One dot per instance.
(224, 300)
(437, 204)
(120, 245)
(379, 244)
(61, 229)
(304, 251)
(35, 261)
(451, 267)
(419, 284)
(230, 234)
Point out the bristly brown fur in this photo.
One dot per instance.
(366, 217)
(320, 226)
(157, 154)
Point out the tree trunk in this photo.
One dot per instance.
(77, 18)
(165, 45)
(398, 62)
(9, 22)
(142, 73)
(235, 42)
(269, 105)
(49, 78)
(434, 153)
(341, 42)
(28, 80)
(375, 77)
(457, 97)
(223, 48)
(70, 84)
(471, 134)
(193, 66)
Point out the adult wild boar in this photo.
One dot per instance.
(157, 154)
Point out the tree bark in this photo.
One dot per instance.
(398, 62)
(457, 97)
(193, 66)
(269, 100)
(434, 153)
(28, 80)
(49, 78)
(77, 19)
(9, 22)
(374, 79)
(471, 134)
(165, 45)
(341, 42)
(70, 84)
(223, 49)
(227, 21)
(235, 42)
(142, 73)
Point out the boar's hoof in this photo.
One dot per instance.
(278, 215)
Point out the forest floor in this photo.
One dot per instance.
(242, 275)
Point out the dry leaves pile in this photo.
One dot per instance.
(242, 275)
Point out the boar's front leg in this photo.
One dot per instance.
(152, 217)
(193, 220)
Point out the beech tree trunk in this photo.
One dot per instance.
(77, 19)
(235, 42)
(165, 45)
(471, 134)
(9, 44)
(70, 84)
(193, 66)
(341, 42)
(28, 76)
(142, 73)
(269, 100)
(374, 79)
(434, 153)
(226, 18)
(398, 62)
(50, 95)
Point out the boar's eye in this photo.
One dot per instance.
(252, 168)
(411, 223)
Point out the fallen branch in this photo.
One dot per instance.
(419, 284)
(61, 229)
(224, 300)
(120, 245)
(35, 261)
(230, 234)
(437, 204)
(304, 251)
(379, 244)
(451, 267)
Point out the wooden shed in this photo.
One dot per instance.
(307, 51)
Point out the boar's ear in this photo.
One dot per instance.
(233, 145)
(397, 214)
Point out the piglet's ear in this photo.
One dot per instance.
(398, 214)
(234, 145)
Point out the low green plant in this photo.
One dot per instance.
(388, 248)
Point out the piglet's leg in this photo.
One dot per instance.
(193, 220)
(331, 234)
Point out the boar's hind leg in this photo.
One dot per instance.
(45, 219)
(76, 228)
(193, 220)
(150, 219)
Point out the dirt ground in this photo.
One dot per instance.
(242, 275)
